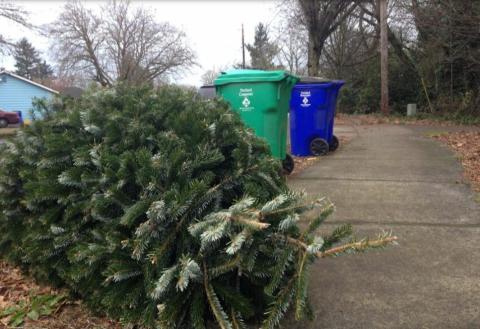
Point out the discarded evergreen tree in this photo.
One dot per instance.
(160, 209)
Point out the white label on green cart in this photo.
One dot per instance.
(246, 93)
(305, 95)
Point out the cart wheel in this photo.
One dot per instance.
(334, 144)
(319, 146)
(288, 164)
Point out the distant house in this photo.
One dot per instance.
(17, 93)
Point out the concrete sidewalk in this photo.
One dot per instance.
(395, 178)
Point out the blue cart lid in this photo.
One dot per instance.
(317, 80)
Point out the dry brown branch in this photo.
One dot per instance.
(356, 246)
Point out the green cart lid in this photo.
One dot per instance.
(240, 76)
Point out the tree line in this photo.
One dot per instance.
(434, 48)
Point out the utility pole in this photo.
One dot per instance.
(383, 57)
(243, 49)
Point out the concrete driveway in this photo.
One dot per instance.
(396, 178)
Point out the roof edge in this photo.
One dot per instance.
(29, 81)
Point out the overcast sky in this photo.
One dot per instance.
(213, 28)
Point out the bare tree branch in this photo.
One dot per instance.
(321, 18)
(12, 12)
(122, 45)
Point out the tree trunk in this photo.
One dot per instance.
(314, 52)
(313, 61)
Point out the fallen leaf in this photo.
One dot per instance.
(467, 147)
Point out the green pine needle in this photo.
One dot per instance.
(164, 282)
(217, 309)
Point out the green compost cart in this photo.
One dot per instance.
(262, 100)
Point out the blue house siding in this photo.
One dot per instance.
(17, 94)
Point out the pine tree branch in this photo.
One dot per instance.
(174, 233)
(282, 301)
(215, 306)
(316, 222)
(224, 268)
(296, 242)
(284, 210)
(250, 222)
(293, 208)
(356, 246)
(301, 288)
(171, 237)
(235, 322)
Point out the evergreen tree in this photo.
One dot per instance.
(263, 51)
(43, 70)
(28, 62)
(160, 209)
(26, 58)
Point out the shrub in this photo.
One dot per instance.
(159, 209)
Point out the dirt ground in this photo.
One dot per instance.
(17, 288)
(4, 132)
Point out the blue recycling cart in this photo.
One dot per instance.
(312, 113)
(20, 116)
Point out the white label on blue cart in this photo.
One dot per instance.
(305, 95)
(245, 93)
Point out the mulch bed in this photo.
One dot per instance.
(301, 163)
(467, 146)
(16, 287)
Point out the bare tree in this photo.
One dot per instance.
(397, 29)
(321, 18)
(292, 42)
(210, 75)
(348, 47)
(12, 12)
(122, 44)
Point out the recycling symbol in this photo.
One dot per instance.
(305, 102)
(246, 102)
